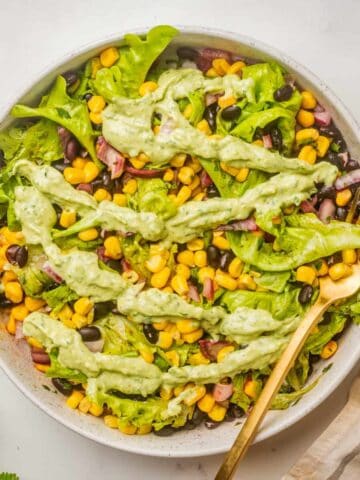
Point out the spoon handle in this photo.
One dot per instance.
(272, 386)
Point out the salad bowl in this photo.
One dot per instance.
(14, 358)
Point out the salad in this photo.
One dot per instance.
(165, 220)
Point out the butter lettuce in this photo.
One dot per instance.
(276, 282)
(303, 239)
(267, 77)
(66, 111)
(136, 57)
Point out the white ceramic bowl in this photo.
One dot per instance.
(15, 358)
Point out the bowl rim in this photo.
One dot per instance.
(353, 356)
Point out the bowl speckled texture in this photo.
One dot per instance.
(15, 358)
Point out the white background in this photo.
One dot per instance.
(322, 34)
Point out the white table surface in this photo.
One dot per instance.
(322, 34)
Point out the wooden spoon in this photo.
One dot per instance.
(330, 292)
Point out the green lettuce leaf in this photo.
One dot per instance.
(283, 401)
(33, 280)
(136, 252)
(239, 397)
(113, 333)
(268, 77)
(137, 56)
(276, 282)
(66, 243)
(63, 110)
(280, 305)
(56, 370)
(57, 297)
(8, 476)
(326, 331)
(11, 141)
(197, 102)
(108, 83)
(321, 240)
(299, 373)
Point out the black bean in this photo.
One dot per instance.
(150, 333)
(88, 96)
(71, 78)
(213, 255)
(352, 165)
(235, 411)
(335, 133)
(90, 333)
(17, 255)
(226, 259)
(72, 149)
(59, 165)
(198, 417)
(231, 113)
(114, 264)
(276, 138)
(63, 385)
(4, 302)
(101, 309)
(341, 213)
(305, 294)
(210, 115)
(165, 431)
(2, 159)
(212, 191)
(187, 53)
(283, 93)
(326, 192)
(334, 159)
(335, 258)
(211, 425)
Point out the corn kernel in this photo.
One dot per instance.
(199, 197)
(33, 342)
(204, 127)
(83, 306)
(212, 73)
(188, 111)
(329, 349)
(179, 285)
(173, 358)
(339, 270)
(306, 135)
(183, 271)
(166, 393)
(183, 195)
(322, 146)
(221, 242)
(102, 194)
(206, 403)
(11, 325)
(130, 276)
(91, 171)
(221, 66)
(349, 256)
(112, 247)
(120, 199)
(243, 174)
(67, 218)
(95, 118)
(224, 352)
(79, 320)
(79, 162)
(217, 413)
(111, 421)
(323, 270)
(42, 368)
(96, 104)
(14, 292)
(144, 429)
(306, 274)
(252, 388)
(305, 118)
(109, 56)
(147, 87)
(258, 142)
(236, 67)
(224, 280)
(308, 154)
(130, 187)
(308, 100)
(200, 258)
(95, 66)
(178, 390)
(206, 272)
(228, 169)
(84, 405)
(235, 268)
(147, 355)
(186, 257)
(225, 102)
(8, 276)
(187, 326)
(160, 279)
(196, 394)
(343, 197)
(198, 359)
(195, 244)
(165, 340)
(178, 161)
(74, 399)
(186, 175)
(168, 175)
(194, 336)
(246, 282)
(74, 175)
(127, 428)
(155, 263)
(20, 312)
(65, 313)
(88, 235)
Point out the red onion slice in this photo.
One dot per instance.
(193, 293)
(145, 173)
(248, 225)
(211, 98)
(125, 265)
(267, 141)
(222, 391)
(19, 334)
(51, 273)
(205, 179)
(322, 118)
(307, 207)
(210, 348)
(208, 289)
(85, 187)
(326, 210)
(345, 157)
(348, 179)
(207, 55)
(40, 357)
(110, 157)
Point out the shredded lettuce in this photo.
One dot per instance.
(198, 106)
(66, 111)
(57, 297)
